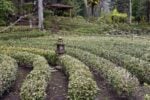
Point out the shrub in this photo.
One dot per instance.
(76, 25)
(118, 17)
(81, 83)
(48, 54)
(146, 91)
(2, 22)
(35, 84)
(136, 66)
(120, 79)
(24, 34)
(8, 71)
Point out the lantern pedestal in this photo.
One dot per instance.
(60, 47)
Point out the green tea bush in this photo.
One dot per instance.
(50, 55)
(119, 78)
(138, 67)
(146, 92)
(35, 84)
(8, 73)
(81, 83)
(146, 56)
(24, 34)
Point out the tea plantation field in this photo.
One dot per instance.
(93, 67)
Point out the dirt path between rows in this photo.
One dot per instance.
(106, 92)
(13, 94)
(58, 86)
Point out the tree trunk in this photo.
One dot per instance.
(130, 11)
(86, 8)
(92, 9)
(40, 14)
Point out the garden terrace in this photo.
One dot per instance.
(36, 82)
(136, 66)
(48, 54)
(113, 74)
(74, 50)
(117, 79)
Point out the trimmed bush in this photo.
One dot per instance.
(48, 54)
(81, 83)
(136, 66)
(35, 84)
(147, 92)
(8, 71)
(23, 34)
(119, 78)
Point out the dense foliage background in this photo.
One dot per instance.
(6, 8)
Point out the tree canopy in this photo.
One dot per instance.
(6, 8)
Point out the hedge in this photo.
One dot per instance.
(146, 92)
(23, 34)
(50, 55)
(119, 78)
(35, 84)
(81, 83)
(8, 72)
(136, 66)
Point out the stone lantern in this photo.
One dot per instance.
(60, 46)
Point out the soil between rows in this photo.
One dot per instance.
(58, 86)
(106, 92)
(56, 90)
(13, 93)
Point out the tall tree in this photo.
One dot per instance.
(130, 11)
(6, 8)
(40, 14)
(86, 7)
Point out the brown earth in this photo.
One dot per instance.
(106, 92)
(13, 93)
(58, 86)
